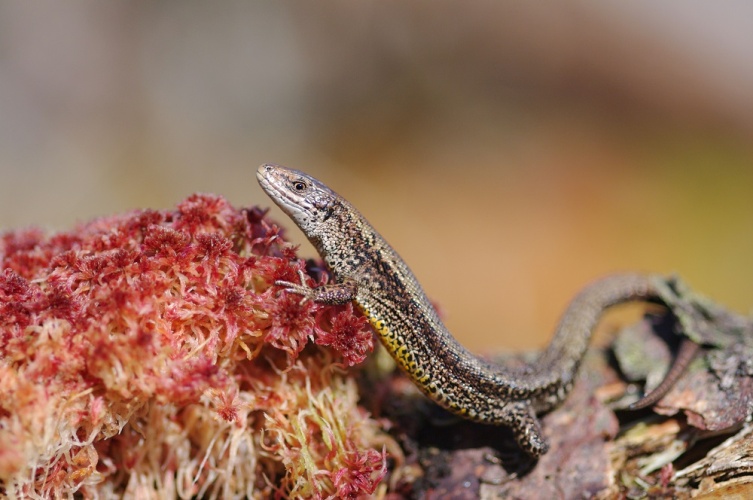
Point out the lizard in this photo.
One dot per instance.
(369, 272)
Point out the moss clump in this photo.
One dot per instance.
(150, 354)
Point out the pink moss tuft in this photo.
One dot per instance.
(150, 354)
(349, 334)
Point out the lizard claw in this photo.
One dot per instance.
(303, 289)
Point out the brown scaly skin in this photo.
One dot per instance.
(370, 273)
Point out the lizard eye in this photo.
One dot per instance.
(299, 186)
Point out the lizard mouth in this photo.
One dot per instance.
(263, 181)
(262, 174)
(266, 178)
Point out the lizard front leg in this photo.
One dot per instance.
(330, 294)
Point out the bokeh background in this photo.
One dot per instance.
(511, 151)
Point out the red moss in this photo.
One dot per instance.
(228, 406)
(357, 477)
(348, 334)
(119, 339)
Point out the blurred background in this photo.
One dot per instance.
(511, 152)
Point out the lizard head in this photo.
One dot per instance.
(304, 199)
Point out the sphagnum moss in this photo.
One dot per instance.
(149, 355)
